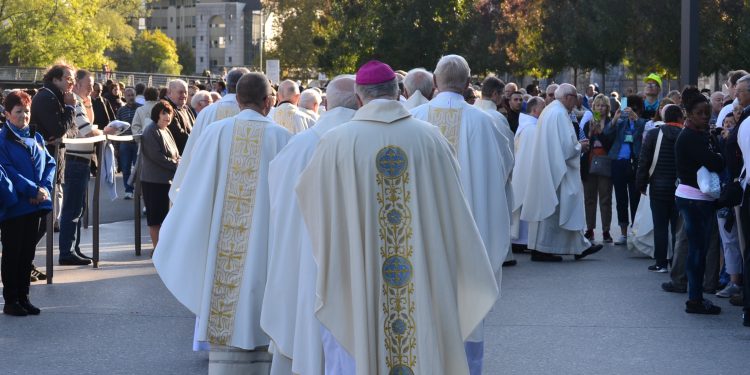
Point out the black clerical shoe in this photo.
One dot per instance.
(702, 307)
(746, 319)
(14, 309)
(593, 249)
(538, 256)
(518, 248)
(510, 263)
(30, 309)
(83, 256)
(73, 260)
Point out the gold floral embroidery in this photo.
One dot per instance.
(449, 122)
(236, 221)
(226, 111)
(394, 218)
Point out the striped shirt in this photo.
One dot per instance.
(83, 123)
(126, 113)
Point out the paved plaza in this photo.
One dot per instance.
(603, 315)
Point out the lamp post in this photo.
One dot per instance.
(259, 13)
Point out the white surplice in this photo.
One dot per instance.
(403, 277)
(553, 203)
(292, 118)
(288, 314)
(224, 108)
(415, 100)
(524, 146)
(213, 245)
(489, 107)
(486, 161)
(310, 113)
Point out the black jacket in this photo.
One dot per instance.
(663, 181)
(52, 118)
(181, 125)
(103, 112)
(695, 149)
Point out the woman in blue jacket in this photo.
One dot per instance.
(31, 170)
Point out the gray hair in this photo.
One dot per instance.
(340, 93)
(452, 73)
(533, 103)
(288, 89)
(419, 80)
(171, 85)
(550, 90)
(565, 89)
(309, 98)
(744, 78)
(385, 90)
(233, 77)
(198, 96)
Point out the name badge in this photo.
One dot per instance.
(628, 138)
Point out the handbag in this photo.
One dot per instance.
(709, 182)
(601, 166)
(731, 194)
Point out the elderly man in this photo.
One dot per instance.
(732, 78)
(309, 103)
(287, 114)
(717, 103)
(523, 148)
(128, 150)
(213, 250)
(224, 108)
(549, 94)
(553, 203)
(200, 100)
(492, 98)
(742, 92)
(419, 88)
(509, 89)
(486, 162)
(386, 217)
(182, 121)
(288, 314)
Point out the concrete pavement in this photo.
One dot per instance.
(602, 315)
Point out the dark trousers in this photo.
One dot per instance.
(697, 216)
(19, 238)
(77, 174)
(128, 155)
(664, 214)
(623, 179)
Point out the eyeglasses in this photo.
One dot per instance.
(651, 84)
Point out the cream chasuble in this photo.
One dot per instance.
(288, 314)
(415, 100)
(403, 277)
(486, 161)
(310, 113)
(224, 108)
(212, 252)
(553, 203)
(522, 172)
(500, 121)
(291, 118)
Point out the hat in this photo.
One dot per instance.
(653, 77)
(374, 72)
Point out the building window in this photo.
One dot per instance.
(231, 16)
(201, 58)
(171, 19)
(201, 38)
(231, 38)
(230, 59)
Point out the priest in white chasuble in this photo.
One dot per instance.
(287, 114)
(553, 203)
(288, 314)
(403, 277)
(522, 172)
(492, 96)
(419, 87)
(486, 162)
(213, 250)
(224, 108)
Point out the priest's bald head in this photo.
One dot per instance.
(419, 80)
(233, 77)
(254, 92)
(289, 92)
(376, 80)
(340, 93)
(452, 74)
(567, 95)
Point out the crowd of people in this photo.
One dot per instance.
(295, 223)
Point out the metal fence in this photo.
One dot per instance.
(34, 76)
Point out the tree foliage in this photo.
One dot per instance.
(155, 53)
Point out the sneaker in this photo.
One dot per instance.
(737, 299)
(128, 195)
(671, 288)
(591, 250)
(39, 275)
(33, 278)
(702, 307)
(607, 238)
(622, 240)
(589, 234)
(658, 269)
(731, 290)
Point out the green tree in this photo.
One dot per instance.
(186, 58)
(155, 53)
(296, 46)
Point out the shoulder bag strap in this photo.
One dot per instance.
(656, 153)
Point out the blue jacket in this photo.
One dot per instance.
(28, 166)
(615, 132)
(7, 192)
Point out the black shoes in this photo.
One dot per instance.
(702, 307)
(671, 288)
(30, 309)
(518, 248)
(658, 269)
(737, 299)
(510, 263)
(746, 319)
(538, 256)
(73, 260)
(36, 274)
(14, 309)
(83, 256)
(591, 250)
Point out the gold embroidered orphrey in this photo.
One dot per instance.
(236, 221)
(449, 122)
(226, 111)
(285, 118)
(395, 233)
